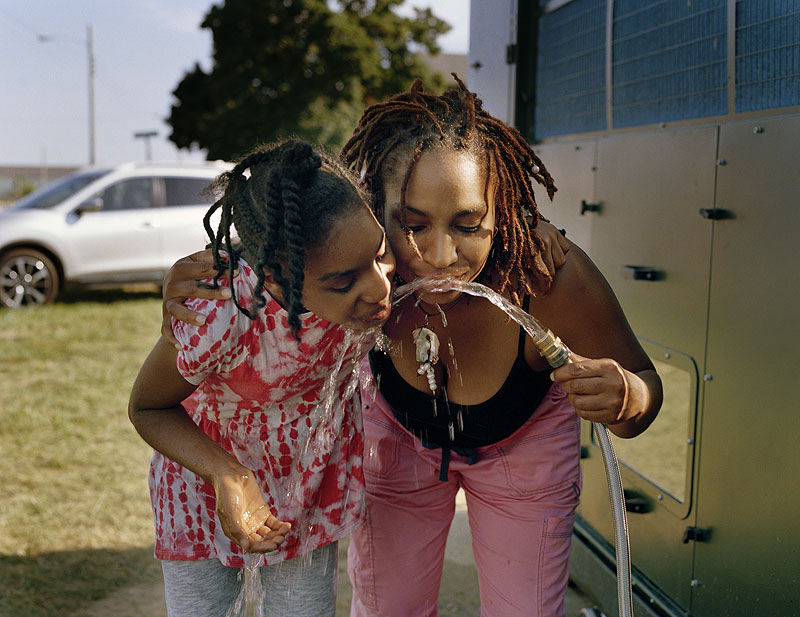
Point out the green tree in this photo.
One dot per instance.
(300, 67)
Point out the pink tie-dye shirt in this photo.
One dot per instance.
(289, 412)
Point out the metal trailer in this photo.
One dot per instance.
(672, 129)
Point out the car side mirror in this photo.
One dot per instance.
(93, 204)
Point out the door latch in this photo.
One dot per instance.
(716, 214)
(696, 534)
(587, 207)
(643, 273)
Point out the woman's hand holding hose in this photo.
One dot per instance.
(602, 391)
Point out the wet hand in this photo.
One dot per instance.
(182, 281)
(600, 390)
(245, 516)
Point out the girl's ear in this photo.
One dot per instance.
(272, 287)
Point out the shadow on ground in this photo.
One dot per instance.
(102, 583)
(74, 295)
(64, 583)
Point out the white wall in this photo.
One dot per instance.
(492, 27)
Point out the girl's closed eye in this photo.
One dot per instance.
(345, 288)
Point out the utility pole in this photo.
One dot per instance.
(44, 38)
(90, 52)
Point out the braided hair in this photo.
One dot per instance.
(286, 204)
(398, 131)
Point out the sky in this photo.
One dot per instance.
(142, 49)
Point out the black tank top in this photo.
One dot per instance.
(443, 423)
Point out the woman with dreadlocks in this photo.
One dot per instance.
(258, 443)
(463, 399)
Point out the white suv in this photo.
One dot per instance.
(102, 226)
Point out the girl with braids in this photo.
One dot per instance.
(257, 435)
(454, 188)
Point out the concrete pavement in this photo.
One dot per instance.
(458, 597)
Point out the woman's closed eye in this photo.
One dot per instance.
(468, 229)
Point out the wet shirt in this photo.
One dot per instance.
(287, 411)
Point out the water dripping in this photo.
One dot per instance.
(308, 553)
(250, 601)
(455, 362)
(444, 317)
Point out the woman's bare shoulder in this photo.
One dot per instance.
(582, 309)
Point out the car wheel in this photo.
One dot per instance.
(27, 278)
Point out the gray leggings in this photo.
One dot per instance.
(294, 588)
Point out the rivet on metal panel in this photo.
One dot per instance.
(758, 129)
(660, 497)
(695, 583)
(690, 441)
(708, 377)
(667, 355)
(722, 162)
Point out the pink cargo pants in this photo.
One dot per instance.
(521, 498)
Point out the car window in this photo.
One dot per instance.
(187, 191)
(130, 194)
(57, 191)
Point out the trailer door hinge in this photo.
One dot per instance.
(511, 53)
(696, 534)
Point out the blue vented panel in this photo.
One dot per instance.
(767, 54)
(669, 60)
(570, 69)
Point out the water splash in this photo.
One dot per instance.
(320, 440)
(549, 345)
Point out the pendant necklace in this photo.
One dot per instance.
(426, 343)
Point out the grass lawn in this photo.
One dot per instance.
(75, 521)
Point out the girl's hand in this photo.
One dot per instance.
(556, 246)
(245, 516)
(183, 281)
(602, 390)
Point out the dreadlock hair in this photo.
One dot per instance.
(286, 204)
(408, 124)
